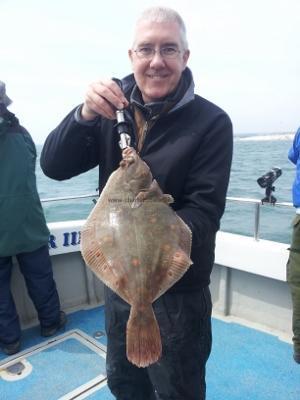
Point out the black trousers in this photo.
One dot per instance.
(37, 271)
(185, 326)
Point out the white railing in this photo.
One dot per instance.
(257, 209)
(256, 202)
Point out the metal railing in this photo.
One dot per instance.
(83, 196)
(257, 209)
(256, 202)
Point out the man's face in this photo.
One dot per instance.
(157, 76)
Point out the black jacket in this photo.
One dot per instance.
(189, 152)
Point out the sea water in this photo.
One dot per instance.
(253, 156)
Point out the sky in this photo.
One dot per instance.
(245, 56)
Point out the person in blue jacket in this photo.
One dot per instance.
(293, 265)
(23, 233)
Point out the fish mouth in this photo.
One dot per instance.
(129, 156)
(129, 152)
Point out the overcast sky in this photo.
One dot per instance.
(245, 56)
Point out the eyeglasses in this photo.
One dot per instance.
(148, 52)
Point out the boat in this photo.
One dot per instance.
(252, 314)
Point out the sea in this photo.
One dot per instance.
(253, 156)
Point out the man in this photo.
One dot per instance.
(23, 233)
(187, 143)
(293, 265)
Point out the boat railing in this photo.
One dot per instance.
(257, 203)
(83, 196)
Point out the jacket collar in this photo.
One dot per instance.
(7, 121)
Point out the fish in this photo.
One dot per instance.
(139, 247)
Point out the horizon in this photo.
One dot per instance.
(283, 133)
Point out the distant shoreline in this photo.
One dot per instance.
(264, 133)
(264, 136)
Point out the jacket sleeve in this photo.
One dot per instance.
(207, 182)
(71, 148)
(293, 153)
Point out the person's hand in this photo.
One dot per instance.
(103, 97)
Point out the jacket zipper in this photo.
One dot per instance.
(146, 129)
(143, 136)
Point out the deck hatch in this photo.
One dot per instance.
(70, 366)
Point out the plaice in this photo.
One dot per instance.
(139, 247)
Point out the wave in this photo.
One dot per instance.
(265, 137)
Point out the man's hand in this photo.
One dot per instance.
(103, 98)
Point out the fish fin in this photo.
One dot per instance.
(143, 342)
(167, 199)
(153, 193)
(96, 261)
(139, 199)
(179, 265)
(156, 192)
(185, 242)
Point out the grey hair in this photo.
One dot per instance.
(165, 14)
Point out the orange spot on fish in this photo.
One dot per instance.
(135, 262)
(120, 282)
(107, 239)
(166, 247)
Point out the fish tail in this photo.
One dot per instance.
(143, 336)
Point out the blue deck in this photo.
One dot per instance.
(245, 364)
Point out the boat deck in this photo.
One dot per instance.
(245, 364)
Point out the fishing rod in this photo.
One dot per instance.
(122, 126)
